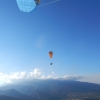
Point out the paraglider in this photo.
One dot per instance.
(30, 5)
(51, 55)
(27, 5)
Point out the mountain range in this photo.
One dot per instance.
(49, 90)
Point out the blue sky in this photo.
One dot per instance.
(70, 28)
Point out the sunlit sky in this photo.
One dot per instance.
(69, 28)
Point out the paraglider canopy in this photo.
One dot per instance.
(50, 54)
(27, 5)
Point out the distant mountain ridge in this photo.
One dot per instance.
(47, 89)
(14, 93)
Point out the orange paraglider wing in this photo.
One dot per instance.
(50, 54)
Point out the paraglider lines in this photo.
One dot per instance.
(49, 3)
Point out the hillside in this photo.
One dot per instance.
(52, 89)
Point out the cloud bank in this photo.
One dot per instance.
(35, 74)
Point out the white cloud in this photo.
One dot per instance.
(75, 77)
(20, 75)
(43, 77)
(37, 74)
(50, 76)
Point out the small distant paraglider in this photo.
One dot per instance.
(51, 55)
(30, 5)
